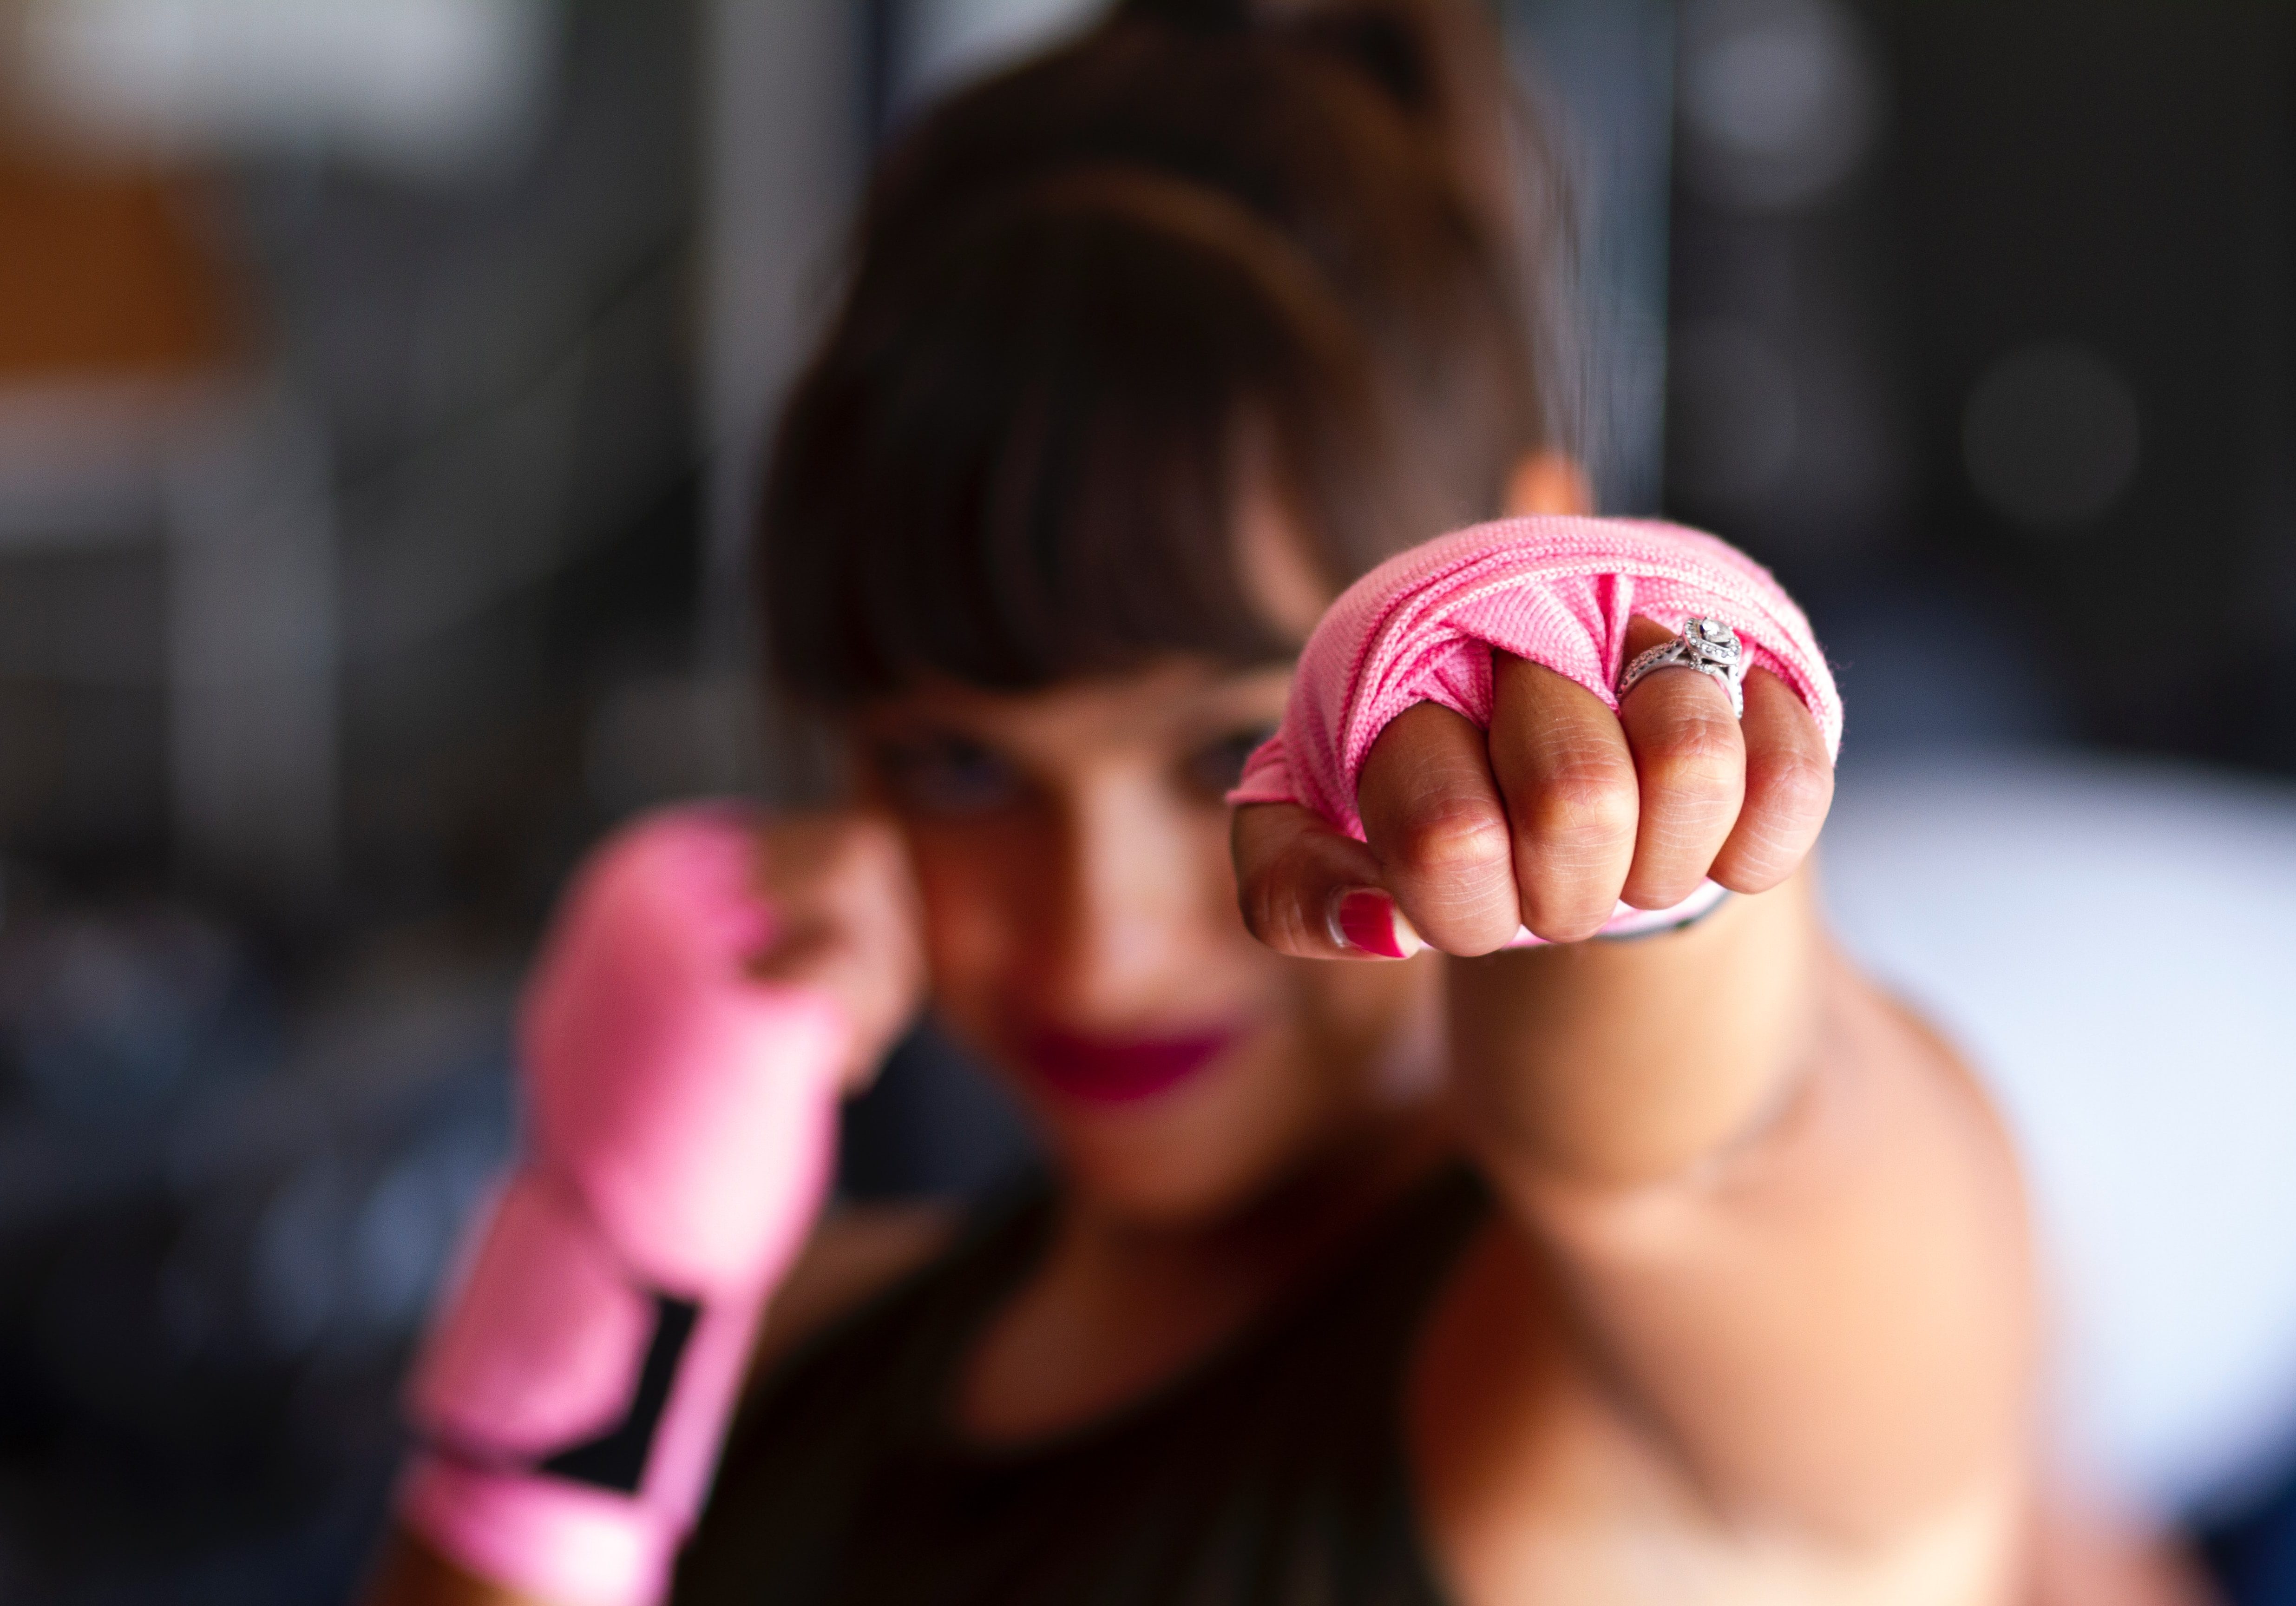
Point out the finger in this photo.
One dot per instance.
(1311, 891)
(1435, 819)
(1691, 759)
(1789, 788)
(1563, 764)
(845, 923)
(813, 957)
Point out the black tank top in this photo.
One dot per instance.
(1273, 1472)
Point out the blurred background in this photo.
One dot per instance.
(381, 386)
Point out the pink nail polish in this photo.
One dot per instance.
(1368, 920)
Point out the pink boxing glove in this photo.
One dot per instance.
(681, 1117)
(1555, 591)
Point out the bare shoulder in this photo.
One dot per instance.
(854, 1252)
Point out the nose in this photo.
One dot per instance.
(1137, 897)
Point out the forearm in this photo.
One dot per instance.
(680, 1068)
(1620, 1063)
(1792, 1230)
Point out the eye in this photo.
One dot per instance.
(945, 775)
(1214, 769)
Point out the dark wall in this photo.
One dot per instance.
(2008, 393)
(2097, 195)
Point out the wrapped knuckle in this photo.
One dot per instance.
(1705, 736)
(1451, 841)
(1798, 785)
(1699, 753)
(1590, 808)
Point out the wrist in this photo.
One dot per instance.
(545, 1537)
(568, 1409)
(1623, 1066)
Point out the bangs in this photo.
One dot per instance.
(1021, 460)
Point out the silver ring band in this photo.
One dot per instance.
(1707, 646)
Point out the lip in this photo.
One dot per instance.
(1123, 1070)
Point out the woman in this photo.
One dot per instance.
(1385, 1261)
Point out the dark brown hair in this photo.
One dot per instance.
(1088, 297)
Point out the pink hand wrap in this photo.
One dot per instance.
(681, 1119)
(1556, 592)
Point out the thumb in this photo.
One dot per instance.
(1309, 890)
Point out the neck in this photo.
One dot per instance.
(1291, 1220)
(1119, 1306)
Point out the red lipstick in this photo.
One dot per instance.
(1120, 1070)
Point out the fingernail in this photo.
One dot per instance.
(1370, 921)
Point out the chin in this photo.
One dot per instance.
(1196, 1153)
(1158, 1184)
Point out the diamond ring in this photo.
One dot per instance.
(1707, 645)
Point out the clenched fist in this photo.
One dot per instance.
(1549, 819)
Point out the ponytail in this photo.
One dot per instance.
(1034, 369)
(1438, 63)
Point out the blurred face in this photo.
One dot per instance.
(1082, 930)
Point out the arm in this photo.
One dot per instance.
(707, 987)
(854, 1254)
(1787, 1222)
